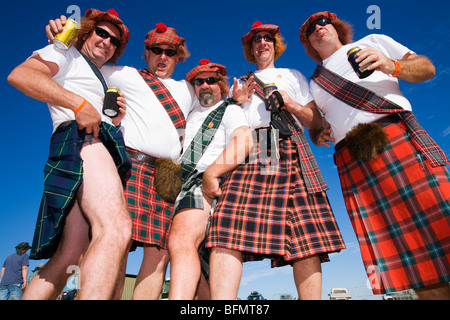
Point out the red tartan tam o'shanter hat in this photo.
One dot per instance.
(163, 35)
(317, 16)
(258, 26)
(113, 17)
(205, 66)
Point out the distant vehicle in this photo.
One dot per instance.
(340, 294)
(284, 296)
(255, 295)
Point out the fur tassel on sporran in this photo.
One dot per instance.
(168, 179)
(366, 141)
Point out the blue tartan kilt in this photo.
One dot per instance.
(63, 174)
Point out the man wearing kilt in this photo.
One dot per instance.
(217, 140)
(274, 205)
(83, 219)
(393, 175)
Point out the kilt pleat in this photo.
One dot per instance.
(400, 211)
(151, 215)
(266, 212)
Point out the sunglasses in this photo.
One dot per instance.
(211, 80)
(158, 51)
(102, 33)
(267, 38)
(320, 22)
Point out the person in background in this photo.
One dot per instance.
(274, 205)
(83, 219)
(13, 276)
(394, 178)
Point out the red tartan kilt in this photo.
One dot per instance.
(266, 212)
(400, 211)
(150, 213)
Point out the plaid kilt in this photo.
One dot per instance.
(266, 212)
(63, 175)
(151, 215)
(191, 194)
(400, 211)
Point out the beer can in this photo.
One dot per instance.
(361, 72)
(64, 39)
(110, 106)
(268, 88)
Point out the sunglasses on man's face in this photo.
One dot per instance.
(321, 22)
(267, 38)
(102, 33)
(211, 80)
(158, 51)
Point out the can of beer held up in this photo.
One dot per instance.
(361, 72)
(64, 39)
(110, 106)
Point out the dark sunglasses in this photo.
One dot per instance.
(158, 51)
(199, 81)
(267, 38)
(105, 35)
(320, 22)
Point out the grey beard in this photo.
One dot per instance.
(206, 97)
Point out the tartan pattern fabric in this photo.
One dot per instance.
(167, 101)
(163, 35)
(112, 17)
(151, 215)
(400, 211)
(191, 194)
(258, 27)
(268, 211)
(63, 175)
(310, 169)
(202, 139)
(363, 99)
(205, 66)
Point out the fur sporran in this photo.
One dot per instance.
(366, 141)
(168, 179)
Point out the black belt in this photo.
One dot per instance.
(383, 122)
(142, 157)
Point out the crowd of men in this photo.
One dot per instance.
(207, 176)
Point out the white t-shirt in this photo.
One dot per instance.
(233, 118)
(341, 116)
(147, 126)
(74, 75)
(289, 80)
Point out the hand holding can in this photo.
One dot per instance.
(64, 39)
(110, 106)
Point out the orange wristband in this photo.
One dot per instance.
(398, 69)
(80, 107)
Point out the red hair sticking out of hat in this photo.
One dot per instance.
(344, 30)
(257, 27)
(91, 20)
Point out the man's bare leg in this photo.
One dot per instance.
(151, 276)
(51, 279)
(186, 235)
(102, 201)
(308, 278)
(225, 273)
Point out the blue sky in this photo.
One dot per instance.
(212, 30)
